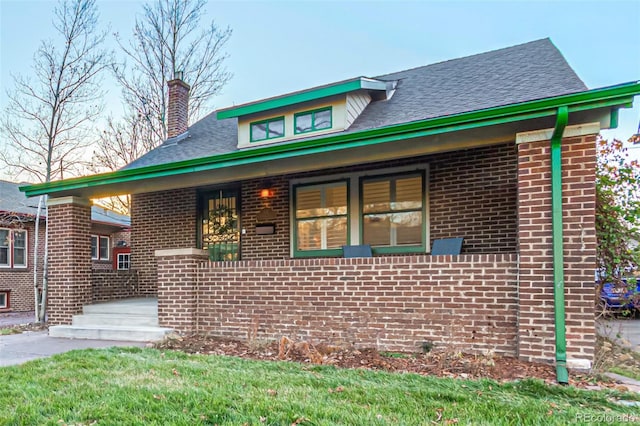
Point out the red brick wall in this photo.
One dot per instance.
(160, 220)
(177, 110)
(536, 323)
(393, 303)
(113, 285)
(114, 238)
(177, 292)
(20, 280)
(276, 246)
(121, 236)
(69, 260)
(473, 194)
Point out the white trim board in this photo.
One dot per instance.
(569, 132)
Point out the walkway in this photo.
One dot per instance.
(18, 348)
(626, 332)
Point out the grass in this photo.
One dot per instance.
(135, 386)
(626, 371)
(8, 331)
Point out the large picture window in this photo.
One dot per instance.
(393, 211)
(13, 248)
(386, 209)
(321, 218)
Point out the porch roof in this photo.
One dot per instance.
(585, 106)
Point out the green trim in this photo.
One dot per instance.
(613, 121)
(616, 95)
(313, 120)
(318, 253)
(558, 250)
(302, 96)
(267, 131)
(294, 220)
(401, 248)
(398, 250)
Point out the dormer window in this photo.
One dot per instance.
(267, 129)
(311, 121)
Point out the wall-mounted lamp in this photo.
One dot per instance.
(266, 193)
(266, 190)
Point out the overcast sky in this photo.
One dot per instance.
(279, 46)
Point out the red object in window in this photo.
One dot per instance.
(116, 251)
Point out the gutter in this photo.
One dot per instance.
(609, 97)
(562, 375)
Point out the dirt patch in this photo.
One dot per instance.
(437, 362)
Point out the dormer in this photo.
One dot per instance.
(307, 113)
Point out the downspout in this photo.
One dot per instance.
(562, 118)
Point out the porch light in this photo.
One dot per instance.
(266, 190)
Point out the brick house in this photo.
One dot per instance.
(239, 220)
(110, 246)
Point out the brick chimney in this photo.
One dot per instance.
(177, 112)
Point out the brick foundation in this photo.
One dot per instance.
(69, 258)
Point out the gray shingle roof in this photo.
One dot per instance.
(14, 201)
(530, 71)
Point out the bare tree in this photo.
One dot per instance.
(169, 38)
(119, 144)
(48, 117)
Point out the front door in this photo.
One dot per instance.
(220, 225)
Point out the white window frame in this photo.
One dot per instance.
(6, 299)
(8, 246)
(128, 262)
(11, 249)
(354, 197)
(26, 249)
(99, 245)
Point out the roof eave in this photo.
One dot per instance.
(302, 96)
(608, 97)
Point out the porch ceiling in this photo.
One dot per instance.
(468, 130)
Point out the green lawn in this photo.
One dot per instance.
(133, 386)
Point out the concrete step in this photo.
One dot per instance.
(112, 332)
(125, 307)
(116, 319)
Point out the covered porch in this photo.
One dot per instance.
(489, 185)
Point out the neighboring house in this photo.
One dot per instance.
(109, 236)
(238, 221)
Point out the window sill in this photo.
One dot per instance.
(399, 250)
(317, 253)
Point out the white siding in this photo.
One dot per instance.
(356, 103)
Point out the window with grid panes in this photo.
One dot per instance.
(393, 211)
(321, 217)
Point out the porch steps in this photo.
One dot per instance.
(134, 320)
